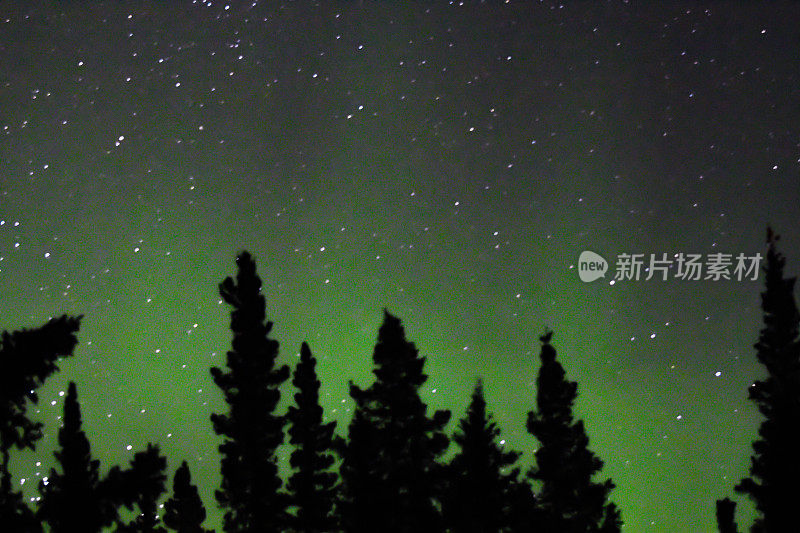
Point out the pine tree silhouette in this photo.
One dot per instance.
(312, 486)
(29, 357)
(250, 492)
(774, 482)
(142, 485)
(612, 521)
(569, 500)
(75, 498)
(523, 513)
(726, 512)
(481, 489)
(391, 478)
(184, 512)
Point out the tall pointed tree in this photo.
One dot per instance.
(774, 482)
(569, 500)
(726, 516)
(312, 486)
(184, 511)
(29, 357)
(481, 480)
(252, 432)
(74, 499)
(391, 477)
(144, 483)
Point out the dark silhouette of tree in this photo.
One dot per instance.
(774, 482)
(184, 512)
(391, 478)
(75, 499)
(481, 482)
(726, 511)
(29, 357)
(569, 500)
(250, 492)
(523, 508)
(143, 484)
(312, 486)
(612, 521)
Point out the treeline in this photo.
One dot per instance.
(390, 476)
(389, 473)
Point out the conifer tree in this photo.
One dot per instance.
(523, 508)
(726, 513)
(143, 485)
(481, 483)
(391, 477)
(74, 499)
(29, 357)
(252, 432)
(312, 486)
(612, 521)
(184, 511)
(570, 502)
(774, 482)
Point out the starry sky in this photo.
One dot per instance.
(448, 161)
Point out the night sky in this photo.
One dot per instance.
(448, 162)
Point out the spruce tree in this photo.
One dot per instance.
(144, 484)
(29, 357)
(570, 502)
(312, 487)
(391, 477)
(726, 513)
(523, 508)
(73, 499)
(481, 481)
(184, 511)
(774, 482)
(252, 432)
(612, 521)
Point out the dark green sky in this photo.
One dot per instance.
(448, 162)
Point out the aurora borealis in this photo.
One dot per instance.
(447, 161)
